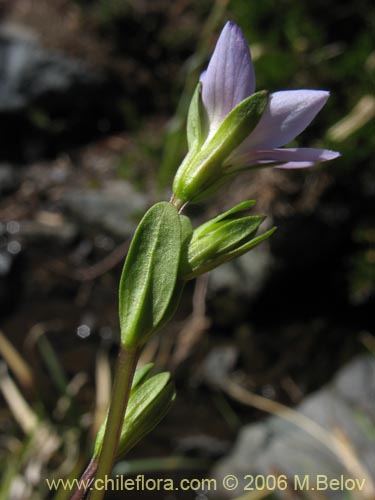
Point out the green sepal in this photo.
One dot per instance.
(149, 402)
(149, 275)
(198, 172)
(195, 125)
(223, 179)
(238, 125)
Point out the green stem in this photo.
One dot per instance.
(126, 364)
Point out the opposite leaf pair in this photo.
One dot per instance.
(166, 252)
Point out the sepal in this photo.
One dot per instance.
(201, 170)
(195, 122)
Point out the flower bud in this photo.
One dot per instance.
(220, 240)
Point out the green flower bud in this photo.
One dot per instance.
(220, 240)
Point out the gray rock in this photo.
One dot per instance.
(218, 364)
(274, 444)
(6, 260)
(244, 275)
(202, 445)
(114, 209)
(38, 232)
(29, 72)
(9, 178)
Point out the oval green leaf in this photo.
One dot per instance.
(149, 276)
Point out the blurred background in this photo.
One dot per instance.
(93, 101)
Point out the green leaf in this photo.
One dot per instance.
(148, 403)
(186, 235)
(249, 245)
(141, 375)
(207, 226)
(219, 240)
(174, 302)
(222, 258)
(223, 237)
(147, 407)
(194, 125)
(149, 276)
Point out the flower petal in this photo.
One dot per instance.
(305, 157)
(287, 114)
(286, 157)
(295, 164)
(229, 78)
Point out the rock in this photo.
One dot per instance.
(6, 260)
(276, 445)
(9, 275)
(114, 209)
(7, 256)
(245, 275)
(35, 231)
(234, 286)
(9, 179)
(218, 364)
(50, 102)
(30, 73)
(202, 445)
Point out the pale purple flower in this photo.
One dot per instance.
(229, 79)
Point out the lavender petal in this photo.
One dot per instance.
(286, 157)
(287, 114)
(230, 77)
(304, 157)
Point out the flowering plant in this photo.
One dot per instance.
(230, 128)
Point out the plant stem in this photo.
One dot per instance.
(84, 481)
(126, 364)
